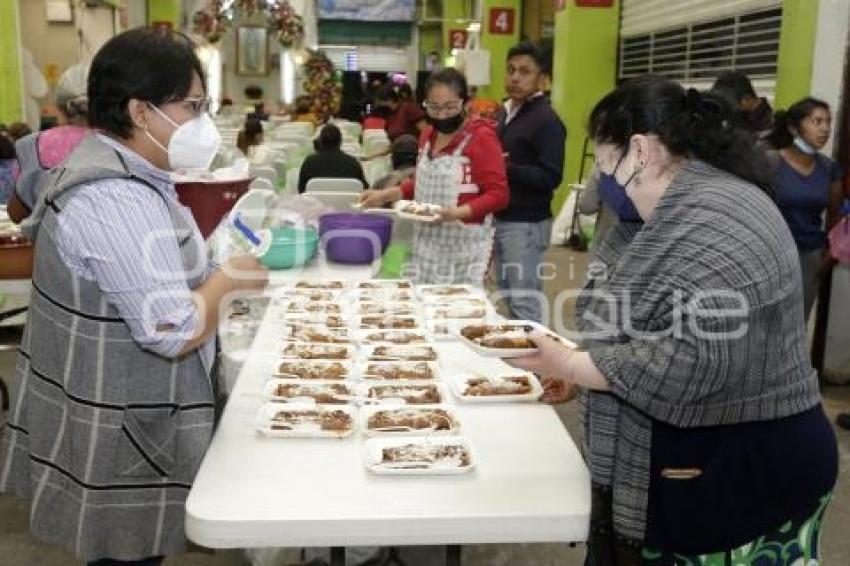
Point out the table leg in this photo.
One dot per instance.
(337, 556)
(453, 555)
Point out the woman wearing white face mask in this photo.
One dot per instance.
(114, 404)
(807, 184)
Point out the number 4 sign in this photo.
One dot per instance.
(502, 21)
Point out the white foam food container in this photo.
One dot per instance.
(386, 370)
(267, 413)
(306, 391)
(460, 383)
(403, 392)
(297, 332)
(374, 451)
(381, 295)
(387, 308)
(518, 328)
(381, 336)
(388, 321)
(385, 284)
(444, 293)
(399, 352)
(445, 415)
(316, 351)
(458, 311)
(324, 370)
(430, 212)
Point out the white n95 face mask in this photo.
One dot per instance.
(193, 145)
(804, 146)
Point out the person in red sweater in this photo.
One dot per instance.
(461, 169)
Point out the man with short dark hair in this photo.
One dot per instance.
(533, 138)
(753, 113)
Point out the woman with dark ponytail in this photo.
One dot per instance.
(703, 426)
(807, 184)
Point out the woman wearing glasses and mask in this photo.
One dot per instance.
(114, 405)
(460, 169)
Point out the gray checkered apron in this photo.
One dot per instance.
(448, 252)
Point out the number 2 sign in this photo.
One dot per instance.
(502, 21)
(457, 38)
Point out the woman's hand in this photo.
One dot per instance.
(550, 361)
(557, 390)
(451, 213)
(377, 198)
(245, 273)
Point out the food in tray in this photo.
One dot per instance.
(304, 306)
(320, 285)
(411, 419)
(386, 284)
(394, 337)
(422, 209)
(425, 456)
(318, 333)
(399, 370)
(323, 393)
(510, 385)
(314, 370)
(384, 295)
(316, 352)
(327, 420)
(512, 336)
(463, 301)
(388, 308)
(411, 353)
(411, 394)
(458, 312)
(388, 321)
(329, 320)
(247, 308)
(314, 294)
(446, 290)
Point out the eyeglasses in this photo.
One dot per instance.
(198, 105)
(433, 108)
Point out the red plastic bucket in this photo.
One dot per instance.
(209, 201)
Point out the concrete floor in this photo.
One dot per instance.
(17, 548)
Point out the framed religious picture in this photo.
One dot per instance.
(252, 50)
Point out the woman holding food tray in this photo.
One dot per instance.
(703, 425)
(461, 173)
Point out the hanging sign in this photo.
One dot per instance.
(457, 38)
(502, 21)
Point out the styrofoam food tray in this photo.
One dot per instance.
(398, 205)
(386, 308)
(397, 352)
(364, 388)
(316, 351)
(369, 410)
(374, 454)
(362, 370)
(459, 384)
(511, 352)
(392, 336)
(270, 390)
(388, 321)
(351, 372)
(267, 412)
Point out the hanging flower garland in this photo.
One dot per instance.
(322, 85)
(283, 21)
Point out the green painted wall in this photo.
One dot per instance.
(796, 51)
(584, 70)
(498, 45)
(11, 102)
(456, 15)
(165, 11)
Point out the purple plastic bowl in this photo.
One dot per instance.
(354, 238)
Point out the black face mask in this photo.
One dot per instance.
(446, 125)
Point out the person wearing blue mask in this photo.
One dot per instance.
(704, 431)
(808, 184)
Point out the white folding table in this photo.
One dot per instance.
(530, 484)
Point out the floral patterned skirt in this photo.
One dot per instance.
(796, 543)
